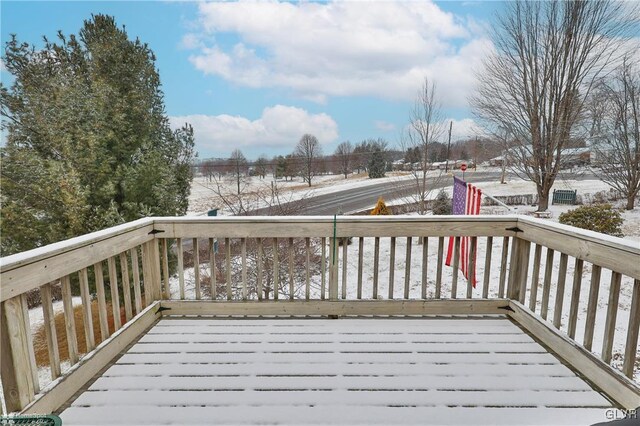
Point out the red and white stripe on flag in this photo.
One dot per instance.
(472, 207)
(474, 196)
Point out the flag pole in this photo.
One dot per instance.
(500, 203)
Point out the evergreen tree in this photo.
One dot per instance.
(377, 163)
(88, 140)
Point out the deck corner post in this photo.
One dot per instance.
(518, 269)
(16, 363)
(151, 271)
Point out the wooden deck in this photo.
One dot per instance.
(474, 370)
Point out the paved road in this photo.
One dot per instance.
(358, 199)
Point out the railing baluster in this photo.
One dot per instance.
(333, 269)
(392, 265)
(612, 313)
(407, 269)
(276, 270)
(126, 289)
(102, 301)
(212, 267)
(546, 286)
(592, 306)
(87, 318)
(535, 280)
(291, 270)
(259, 269)
(323, 268)
(632, 332)
(344, 268)
(180, 267)
(244, 268)
(165, 268)
(471, 266)
(69, 319)
(196, 268)
(50, 330)
(456, 264)
(115, 297)
(227, 246)
(503, 267)
(30, 348)
(135, 267)
(562, 277)
(307, 284)
(376, 260)
(360, 263)
(575, 298)
(487, 268)
(439, 267)
(425, 264)
(523, 269)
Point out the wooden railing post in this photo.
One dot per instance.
(151, 271)
(513, 287)
(16, 363)
(518, 269)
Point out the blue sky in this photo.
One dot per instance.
(256, 76)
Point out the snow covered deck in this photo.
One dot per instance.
(304, 328)
(481, 370)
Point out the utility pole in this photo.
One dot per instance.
(446, 165)
(504, 157)
(238, 174)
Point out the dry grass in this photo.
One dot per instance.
(40, 340)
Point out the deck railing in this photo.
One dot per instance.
(318, 266)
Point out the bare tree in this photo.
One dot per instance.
(425, 128)
(261, 165)
(309, 152)
(343, 154)
(617, 146)
(238, 167)
(547, 57)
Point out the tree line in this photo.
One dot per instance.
(307, 161)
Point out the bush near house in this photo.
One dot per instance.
(598, 217)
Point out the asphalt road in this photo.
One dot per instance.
(358, 199)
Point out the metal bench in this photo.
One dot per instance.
(564, 196)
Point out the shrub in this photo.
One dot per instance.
(598, 217)
(442, 203)
(381, 208)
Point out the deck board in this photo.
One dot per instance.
(347, 371)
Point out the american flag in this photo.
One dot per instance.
(466, 201)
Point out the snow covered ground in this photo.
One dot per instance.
(203, 196)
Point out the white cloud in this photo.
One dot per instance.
(278, 127)
(384, 125)
(316, 50)
(2, 67)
